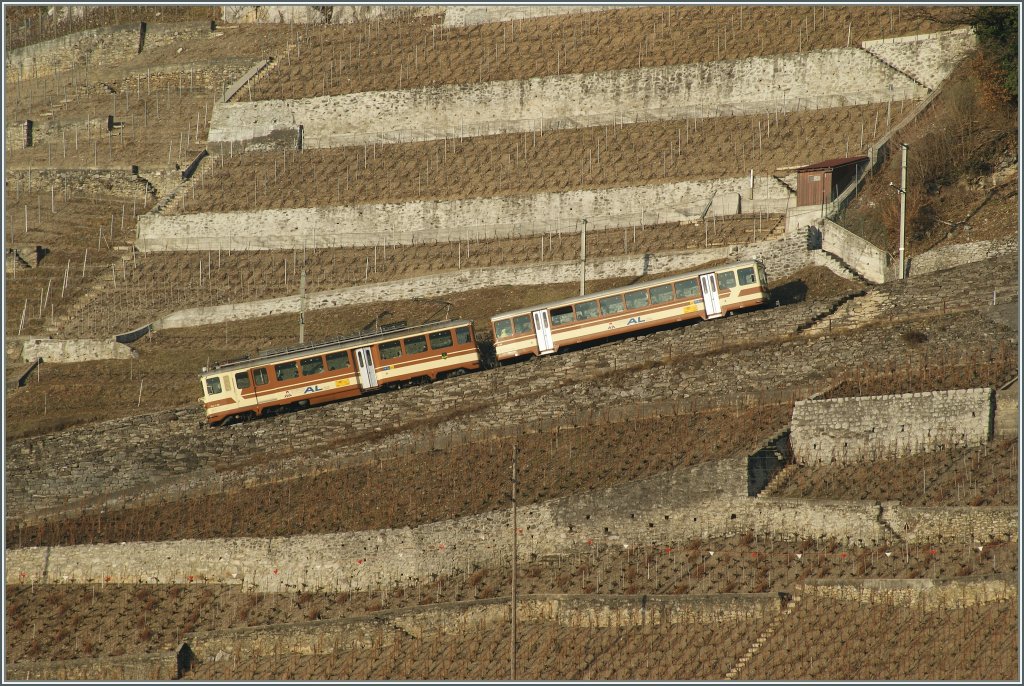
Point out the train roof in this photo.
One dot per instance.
(343, 343)
(622, 289)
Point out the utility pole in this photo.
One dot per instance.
(302, 307)
(583, 257)
(515, 556)
(902, 190)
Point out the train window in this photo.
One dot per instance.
(587, 310)
(503, 328)
(390, 350)
(686, 289)
(636, 299)
(312, 365)
(242, 380)
(612, 304)
(213, 385)
(462, 335)
(415, 345)
(337, 360)
(746, 276)
(286, 370)
(727, 279)
(522, 323)
(442, 339)
(661, 294)
(260, 376)
(561, 315)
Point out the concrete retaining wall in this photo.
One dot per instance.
(52, 350)
(451, 220)
(857, 429)
(472, 15)
(868, 260)
(319, 14)
(811, 80)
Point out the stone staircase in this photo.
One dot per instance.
(897, 69)
(820, 322)
(769, 631)
(839, 267)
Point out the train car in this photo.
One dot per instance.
(707, 294)
(344, 368)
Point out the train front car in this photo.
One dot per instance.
(706, 294)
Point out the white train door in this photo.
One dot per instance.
(542, 326)
(709, 291)
(364, 365)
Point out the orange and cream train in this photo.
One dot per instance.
(706, 294)
(315, 374)
(348, 367)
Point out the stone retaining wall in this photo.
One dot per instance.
(809, 80)
(929, 57)
(948, 256)
(928, 594)
(428, 221)
(859, 429)
(781, 257)
(464, 618)
(81, 350)
(102, 46)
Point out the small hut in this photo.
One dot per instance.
(823, 182)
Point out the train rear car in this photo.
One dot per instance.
(344, 368)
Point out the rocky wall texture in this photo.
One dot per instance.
(81, 350)
(781, 257)
(860, 429)
(96, 47)
(954, 255)
(428, 221)
(928, 58)
(927, 594)
(810, 80)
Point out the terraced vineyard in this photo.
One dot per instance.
(552, 161)
(372, 539)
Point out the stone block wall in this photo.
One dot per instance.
(95, 182)
(868, 260)
(446, 220)
(929, 57)
(52, 350)
(96, 47)
(859, 429)
(948, 256)
(809, 80)
(928, 594)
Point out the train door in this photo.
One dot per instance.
(364, 365)
(709, 291)
(542, 326)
